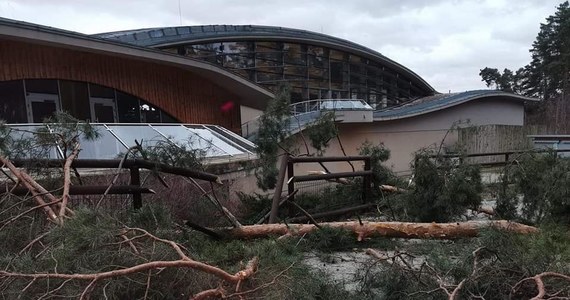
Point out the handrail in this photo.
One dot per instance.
(250, 127)
(329, 104)
(457, 155)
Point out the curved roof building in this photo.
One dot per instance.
(317, 66)
(225, 75)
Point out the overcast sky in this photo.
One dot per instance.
(444, 41)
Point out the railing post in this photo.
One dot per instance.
(366, 182)
(136, 180)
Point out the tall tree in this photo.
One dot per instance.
(508, 81)
(548, 70)
(546, 76)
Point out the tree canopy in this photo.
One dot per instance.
(546, 75)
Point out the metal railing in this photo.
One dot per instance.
(251, 127)
(329, 104)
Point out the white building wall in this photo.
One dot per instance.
(405, 136)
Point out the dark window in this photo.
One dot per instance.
(42, 86)
(42, 110)
(129, 108)
(103, 113)
(101, 91)
(149, 113)
(12, 102)
(75, 98)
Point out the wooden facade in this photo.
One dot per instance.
(183, 94)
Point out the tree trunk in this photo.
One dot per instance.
(385, 229)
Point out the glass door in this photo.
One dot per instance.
(103, 110)
(41, 106)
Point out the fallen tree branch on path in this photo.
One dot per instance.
(385, 229)
(183, 262)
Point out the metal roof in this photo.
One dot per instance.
(254, 94)
(168, 36)
(440, 101)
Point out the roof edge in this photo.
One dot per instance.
(39, 34)
(442, 106)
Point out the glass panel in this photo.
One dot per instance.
(128, 107)
(263, 76)
(238, 47)
(12, 102)
(104, 113)
(294, 54)
(295, 70)
(269, 59)
(42, 110)
(43, 86)
(75, 98)
(338, 55)
(149, 113)
(317, 61)
(239, 61)
(105, 147)
(339, 72)
(267, 46)
(206, 140)
(22, 133)
(128, 134)
(100, 91)
(318, 51)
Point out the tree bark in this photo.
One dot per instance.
(384, 229)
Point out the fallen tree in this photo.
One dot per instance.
(386, 229)
(183, 261)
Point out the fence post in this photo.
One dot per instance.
(136, 180)
(290, 184)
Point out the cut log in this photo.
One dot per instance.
(392, 189)
(384, 229)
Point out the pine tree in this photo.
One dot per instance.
(546, 76)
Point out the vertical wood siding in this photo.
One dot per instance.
(185, 95)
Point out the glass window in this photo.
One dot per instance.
(239, 61)
(269, 59)
(149, 113)
(295, 70)
(24, 133)
(318, 51)
(266, 76)
(75, 98)
(267, 46)
(105, 147)
(128, 108)
(294, 54)
(338, 55)
(100, 91)
(42, 86)
(339, 72)
(12, 102)
(129, 133)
